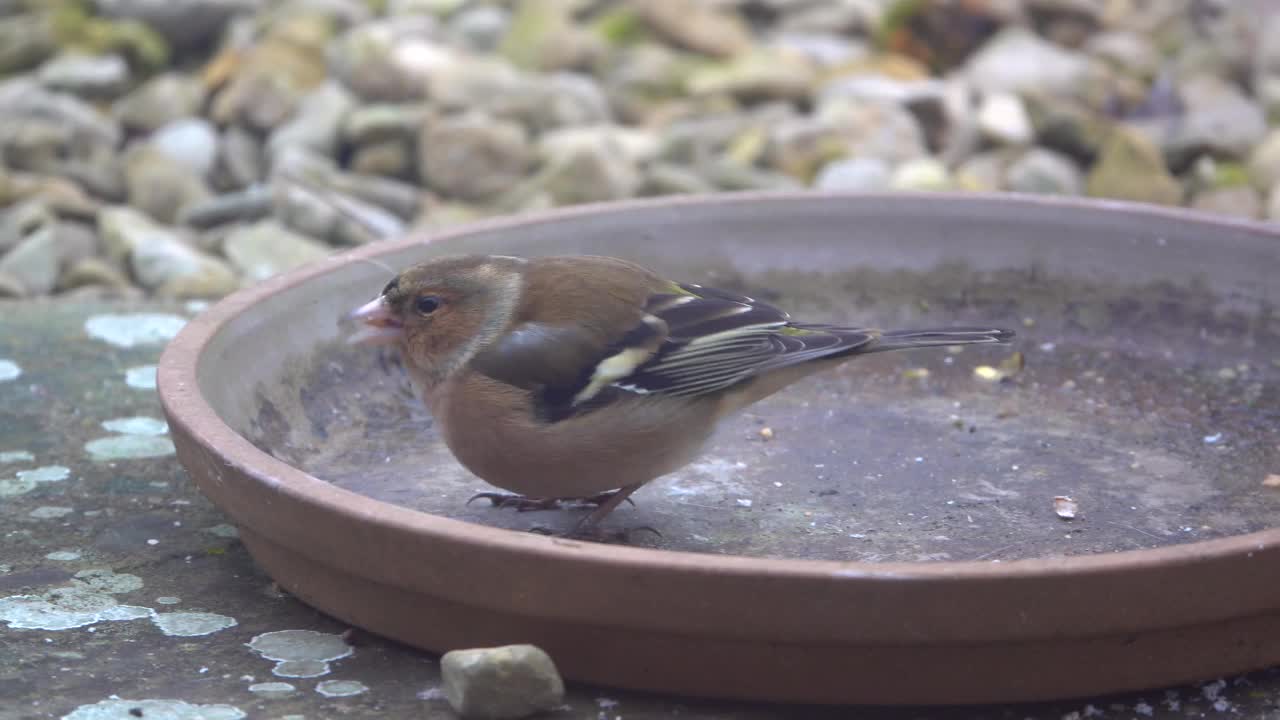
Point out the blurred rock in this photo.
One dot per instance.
(799, 147)
(985, 171)
(860, 174)
(160, 259)
(161, 186)
(697, 25)
(1067, 22)
(159, 101)
(182, 22)
(245, 205)
(668, 179)
(1126, 52)
(1019, 61)
(93, 271)
(241, 161)
(1220, 120)
(1264, 162)
(268, 248)
(25, 101)
(480, 27)
(392, 62)
(1003, 119)
(374, 123)
(191, 142)
(756, 75)
(925, 174)
(94, 77)
(1131, 167)
(1266, 64)
(501, 683)
(585, 165)
(1240, 201)
(387, 158)
(1044, 172)
(317, 123)
(33, 261)
(1067, 127)
(266, 82)
(473, 157)
(25, 41)
(331, 216)
(542, 35)
(824, 49)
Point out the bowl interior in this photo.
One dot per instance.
(1150, 393)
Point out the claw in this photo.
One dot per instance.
(524, 503)
(519, 502)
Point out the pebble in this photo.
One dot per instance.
(512, 681)
(160, 259)
(34, 261)
(1044, 171)
(104, 76)
(1003, 119)
(862, 174)
(1131, 167)
(252, 203)
(317, 123)
(267, 248)
(1018, 61)
(9, 370)
(160, 184)
(191, 142)
(330, 123)
(163, 99)
(924, 174)
(473, 157)
(1241, 201)
(700, 27)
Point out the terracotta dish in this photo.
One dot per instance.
(897, 535)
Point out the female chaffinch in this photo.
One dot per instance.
(586, 377)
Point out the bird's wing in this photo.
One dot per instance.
(718, 339)
(690, 341)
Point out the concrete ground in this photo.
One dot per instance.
(125, 594)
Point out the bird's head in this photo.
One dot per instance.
(441, 312)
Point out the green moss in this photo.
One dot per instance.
(621, 27)
(1228, 175)
(76, 27)
(896, 19)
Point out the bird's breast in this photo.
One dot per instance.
(491, 428)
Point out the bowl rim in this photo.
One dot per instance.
(185, 406)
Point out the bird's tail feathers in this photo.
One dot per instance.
(940, 337)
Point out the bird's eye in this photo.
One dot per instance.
(426, 304)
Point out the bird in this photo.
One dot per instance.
(582, 378)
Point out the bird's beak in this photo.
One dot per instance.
(381, 326)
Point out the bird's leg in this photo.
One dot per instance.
(524, 503)
(587, 528)
(611, 502)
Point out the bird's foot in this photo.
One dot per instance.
(523, 503)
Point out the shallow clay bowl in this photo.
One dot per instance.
(893, 537)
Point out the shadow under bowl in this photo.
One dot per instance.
(894, 542)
